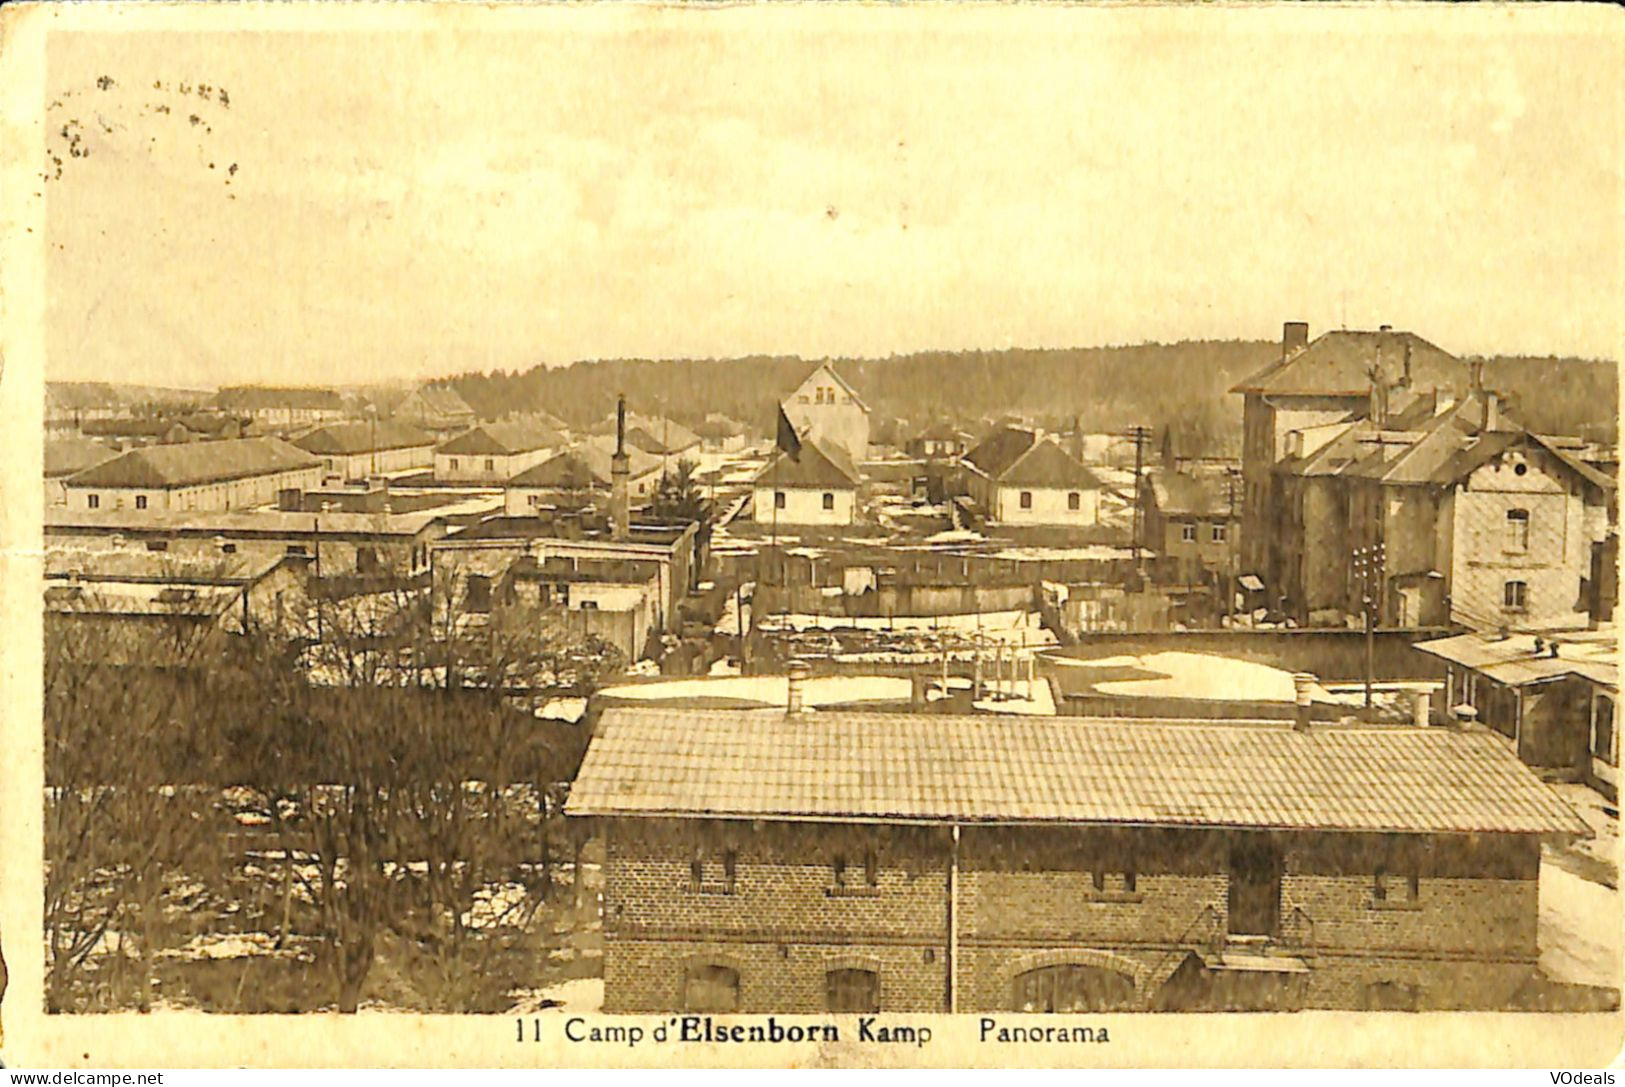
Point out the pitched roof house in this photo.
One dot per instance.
(435, 407)
(816, 484)
(1018, 477)
(846, 861)
(228, 474)
(495, 452)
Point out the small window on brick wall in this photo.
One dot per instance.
(715, 873)
(1396, 882)
(1113, 877)
(855, 874)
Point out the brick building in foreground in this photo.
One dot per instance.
(806, 862)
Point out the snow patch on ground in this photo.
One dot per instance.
(1579, 929)
(581, 996)
(562, 709)
(1038, 701)
(1203, 675)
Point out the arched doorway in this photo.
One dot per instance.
(1072, 987)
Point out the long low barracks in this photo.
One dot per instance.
(764, 861)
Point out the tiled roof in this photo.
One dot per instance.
(498, 439)
(569, 471)
(266, 398)
(1000, 450)
(840, 766)
(193, 463)
(1182, 493)
(1046, 464)
(340, 438)
(1336, 364)
(813, 465)
(1020, 458)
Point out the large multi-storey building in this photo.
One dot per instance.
(1326, 381)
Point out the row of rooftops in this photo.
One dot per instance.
(1429, 442)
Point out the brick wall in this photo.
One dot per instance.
(1028, 898)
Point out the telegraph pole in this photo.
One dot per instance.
(1139, 433)
(1368, 567)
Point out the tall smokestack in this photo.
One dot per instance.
(620, 477)
(1294, 337)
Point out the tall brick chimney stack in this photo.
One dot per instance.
(620, 473)
(1294, 338)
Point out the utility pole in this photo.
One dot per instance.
(1140, 434)
(1368, 567)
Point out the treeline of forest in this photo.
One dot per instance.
(1184, 386)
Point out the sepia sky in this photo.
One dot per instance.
(703, 183)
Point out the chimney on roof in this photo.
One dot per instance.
(1463, 716)
(1475, 376)
(620, 477)
(1294, 338)
(1385, 328)
(1490, 413)
(795, 701)
(1303, 685)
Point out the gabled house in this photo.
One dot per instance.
(363, 450)
(824, 407)
(807, 863)
(1192, 519)
(436, 408)
(1017, 477)
(232, 474)
(817, 484)
(494, 452)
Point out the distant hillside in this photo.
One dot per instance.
(1184, 386)
(1560, 396)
